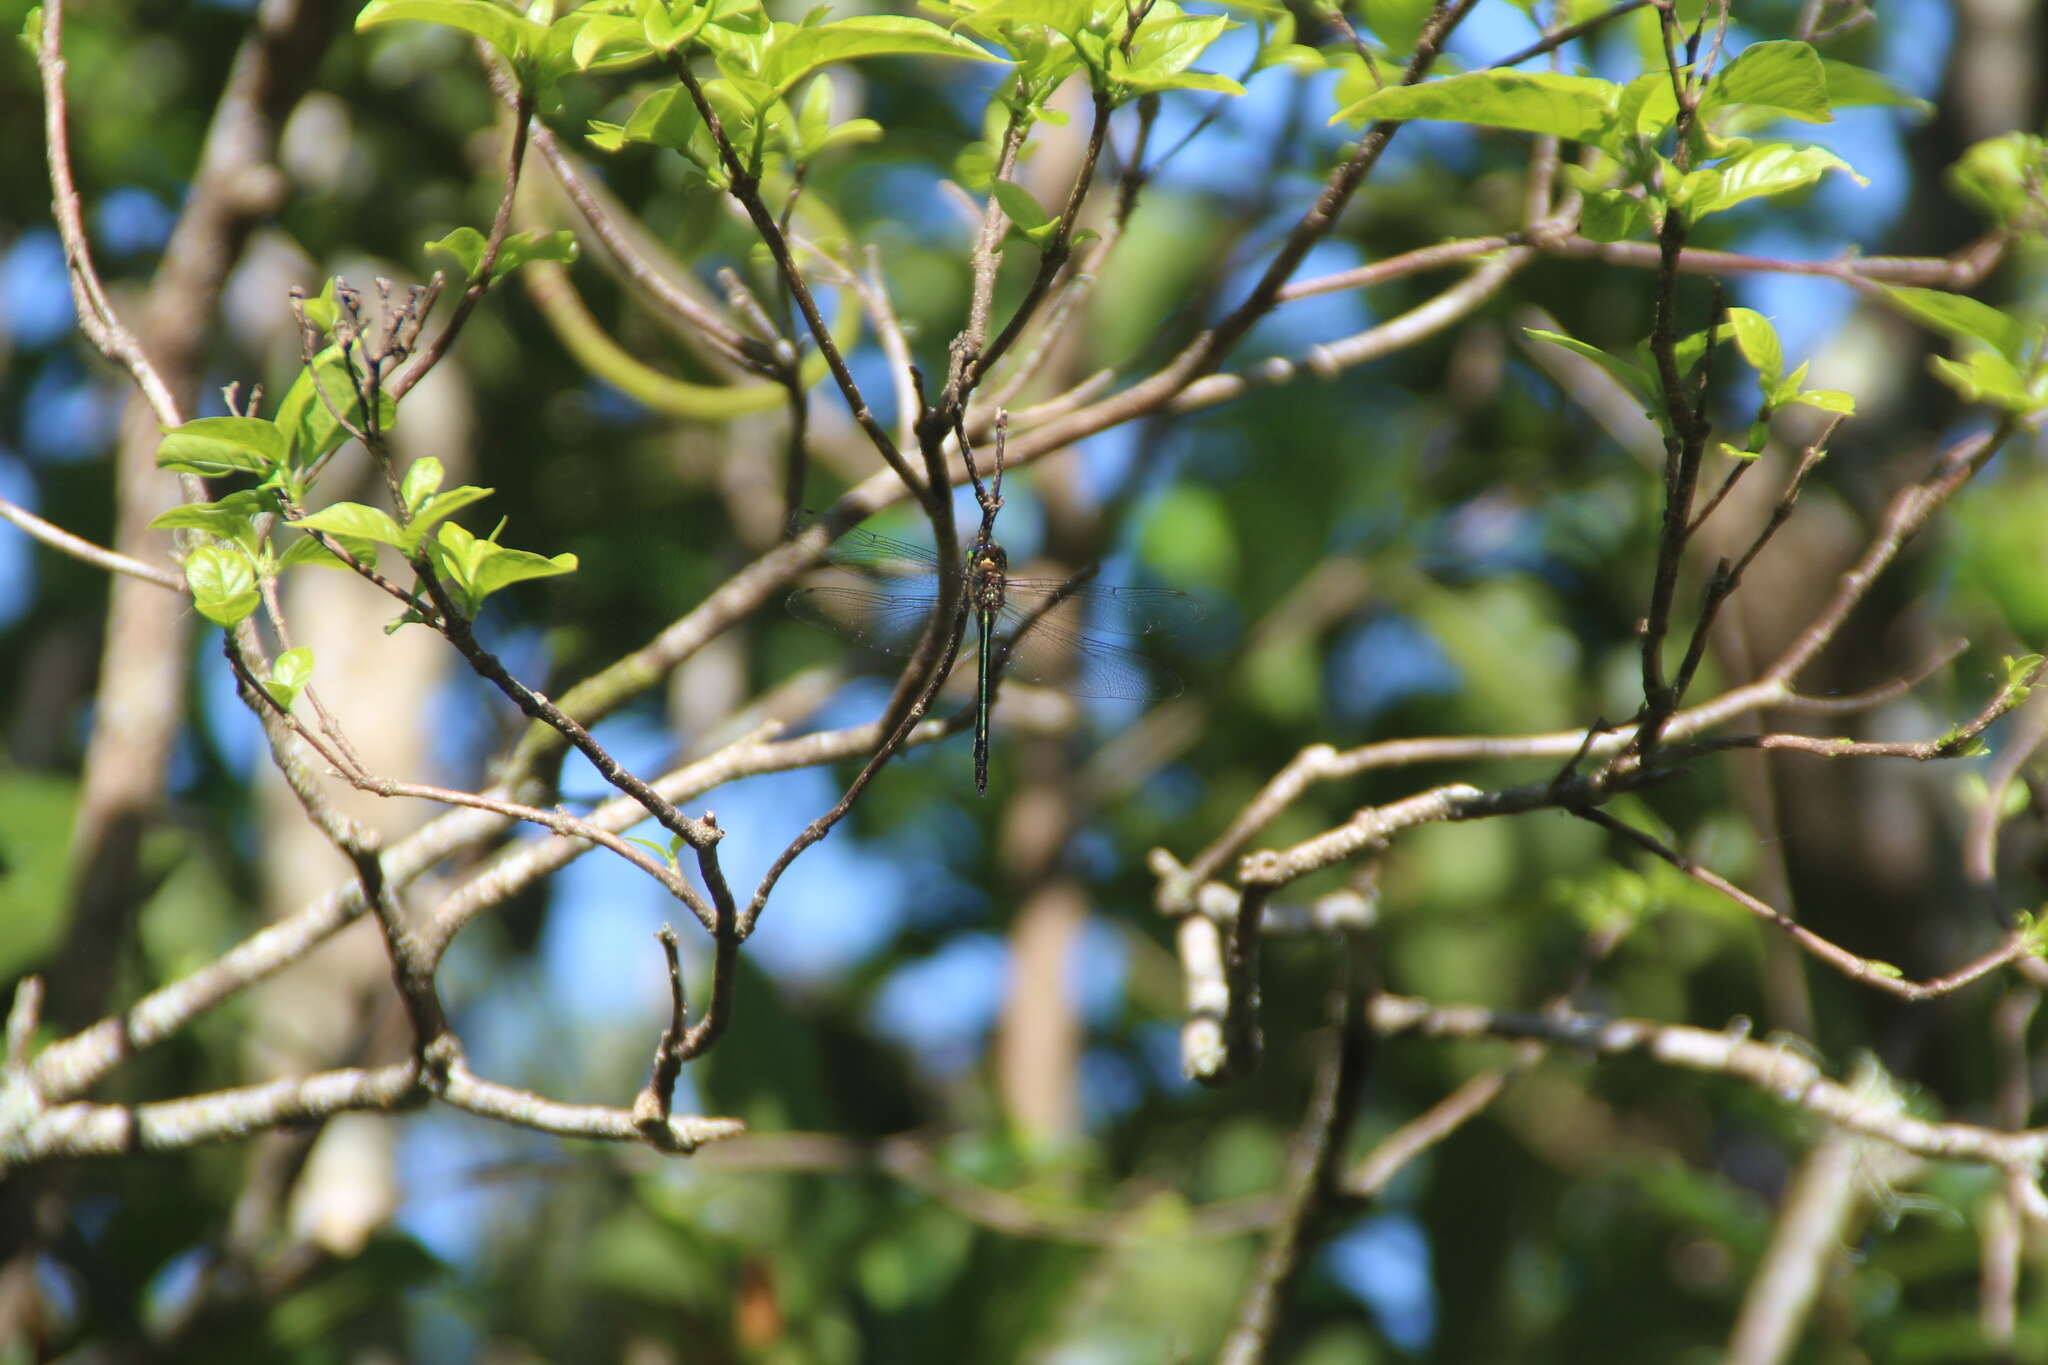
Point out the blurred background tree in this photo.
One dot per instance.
(960, 1041)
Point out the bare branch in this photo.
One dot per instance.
(79, 548)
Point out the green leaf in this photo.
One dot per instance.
(851, 133)
(804, 50)
(1572, 107)
(1773, 168)
(1646, 107)
(1070, 18)
(308, 550)
(474, 569)
(1022, 209)
(289, 676)
(232, 518)
(2003, 175)
(310, 419)
(2032, 927)
(1960, 317)
(501, 568)
(32, 30)
(438, 509)
(1278, 48)
(1737, 452)
(355, 519)
(421, 481)
(1827, 400)
(1612, 215)
(1850, 86)
(1632, 377)
(223, 583)
(517, 39)
(1397, 22)
(814, 116)
(666, 118)
(212, 446)
(1163, 51)
(667, 27)
(1985, 376)
(466, 245)
(1787, 389)
(607, 42)
(323, 312)
(1783, 76)
(656, 849)
(1758, 342)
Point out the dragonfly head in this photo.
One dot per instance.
(983, 560)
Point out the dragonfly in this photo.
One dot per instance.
(1045, 630)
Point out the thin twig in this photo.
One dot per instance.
(480, 282)
(79, 548)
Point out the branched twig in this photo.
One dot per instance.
(745, 186)
(1787, 1074)
(1881, 975)
(1310, 1187)
(480, 282)
(96, 316)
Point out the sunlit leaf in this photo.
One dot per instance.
(1786, 77)
(806, 49)
(355, 519)
(1572, 107)
(213, 446)
(223, 583)
(517, 39)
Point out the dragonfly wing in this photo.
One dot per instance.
(1051, 653)
(890, 622)
(872, 555)
(1109, 610)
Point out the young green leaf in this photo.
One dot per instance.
(1576, 108)
(1633, 378)
(310, 419)
(1758, 342)
(1612, 215)
(804, 50)
(466, 245)
(1960, 317)
(501, 568)
(438, 509)
(308, 550)
(1827, 400)
(2003, 177)
(1985, 376)
(1784, 77)
(605, 42)
(1851, 86)
(1164, 49)
(289, 676)
(355, 519)
(323, 312)
(517, 39)
(473, 569)
(232, 518)
(223, 583)
(1773, 168)
(212, 446)
(1023, 210)
(421, 481)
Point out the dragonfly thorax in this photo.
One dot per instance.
(987, 570)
